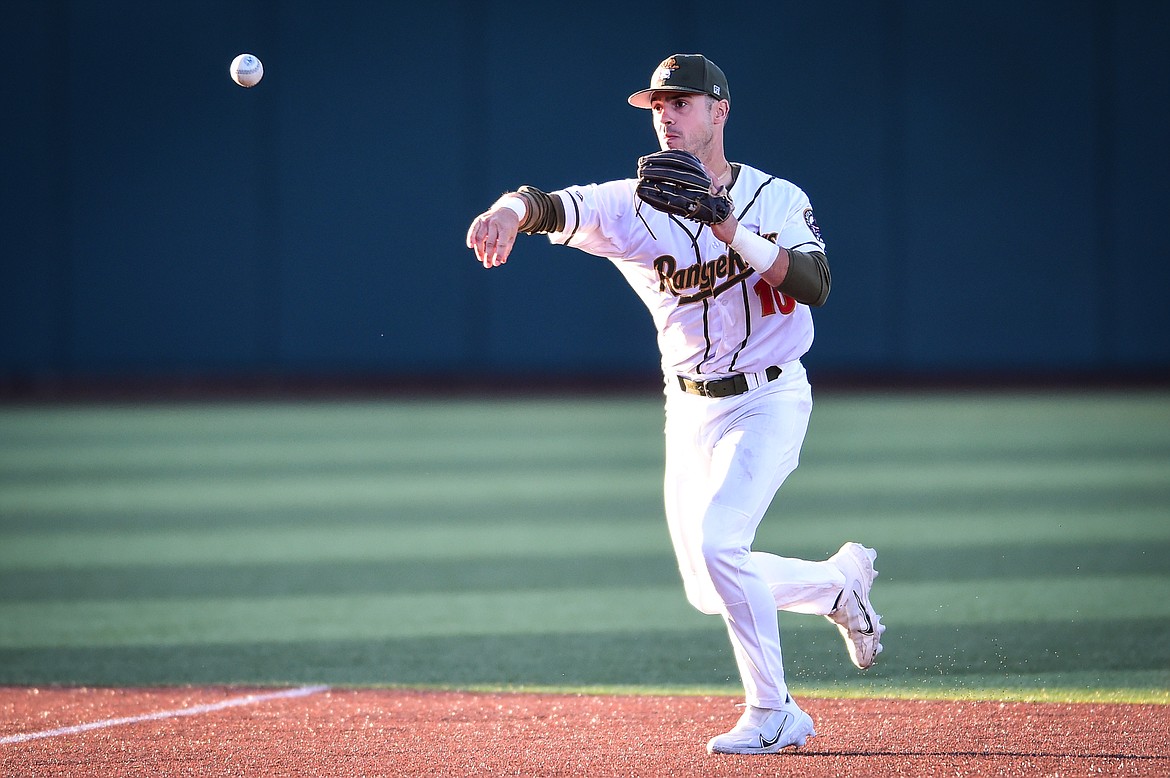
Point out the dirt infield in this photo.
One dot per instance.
(341, 732)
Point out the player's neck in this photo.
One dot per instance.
(721, 169)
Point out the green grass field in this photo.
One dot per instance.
(1024, 546)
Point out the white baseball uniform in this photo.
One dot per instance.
(725, 457)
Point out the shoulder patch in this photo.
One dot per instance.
(811, 221)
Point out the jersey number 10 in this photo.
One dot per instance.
(772, 299)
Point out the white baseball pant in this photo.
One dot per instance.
(725, 460)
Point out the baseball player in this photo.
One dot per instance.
(729, 260)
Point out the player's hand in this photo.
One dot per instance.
(725, 230)
(492, 235)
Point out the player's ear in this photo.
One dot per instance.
(720, 111)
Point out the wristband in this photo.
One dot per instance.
(514, 204)
(758, 252)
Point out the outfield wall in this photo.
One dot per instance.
(993, 181)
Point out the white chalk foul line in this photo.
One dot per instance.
(234, 702)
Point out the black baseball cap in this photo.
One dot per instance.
(692, 73)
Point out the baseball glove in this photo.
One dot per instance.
(675, 181)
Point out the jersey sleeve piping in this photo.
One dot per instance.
(570, 231)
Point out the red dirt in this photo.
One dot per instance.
(395, 732)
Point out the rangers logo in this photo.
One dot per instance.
(702, 279)
(811, 221)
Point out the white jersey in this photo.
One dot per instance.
(715, 316)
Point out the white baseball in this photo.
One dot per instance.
(247, 70)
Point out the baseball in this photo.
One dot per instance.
(247, 70)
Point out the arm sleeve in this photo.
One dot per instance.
(808, 278)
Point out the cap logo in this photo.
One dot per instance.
(665, 71)
(715, 88)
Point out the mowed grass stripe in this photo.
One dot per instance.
(244, 619)
(341, 542)
(990, 421)
(1022, 474)
(1103, 515)
(347, 488)
(507, 570)
(1127, 479)
(502, 573)
(342, 490)
(629, 529)
(822, 518)
(924, 527)
(391, 452)
(588, 609)
(421, 421)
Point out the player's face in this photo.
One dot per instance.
(683, 121)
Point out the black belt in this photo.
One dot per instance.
(723, 387)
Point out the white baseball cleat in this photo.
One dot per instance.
(765, 731)
(855, 618)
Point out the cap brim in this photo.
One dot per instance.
(641, 99)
